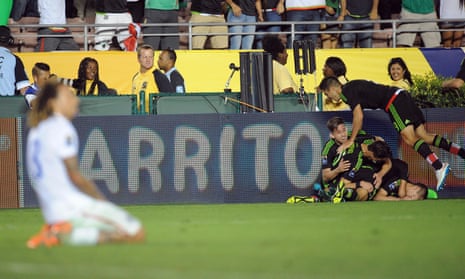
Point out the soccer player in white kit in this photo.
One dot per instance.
(75, 211)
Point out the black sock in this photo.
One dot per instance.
(451, 147)
(423, 149)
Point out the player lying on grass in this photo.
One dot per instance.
(396, 186)
(369, 164)
(335, 165)
(406, 118)
(74, 210)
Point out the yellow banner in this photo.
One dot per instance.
(208, 70)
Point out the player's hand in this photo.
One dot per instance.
(343, 166)
(344, 146)
(377, 179)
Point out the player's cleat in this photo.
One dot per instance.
(441, 175)
(338, 196)
(302, 199)
(44, 238)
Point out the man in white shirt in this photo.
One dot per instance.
(75, 211)
(56, 37)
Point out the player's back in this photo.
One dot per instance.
(48, 145)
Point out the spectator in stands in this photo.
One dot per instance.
(399, 73)
(115, 12)
(88, 81)
(335, 67)
(160, 12)
(5, 9)
(282, 79)
(386, 8)
(305, 10)
(332, 11)
(243, 11)
(40, 75)
(23, 8)
(272, 12)
(13, 78)
(144, 79)
(424, 11)
(354, 10)
(171, 80)
(136, 9)
(459, 79)
(452, 9)
(54, 12)
(208, 11)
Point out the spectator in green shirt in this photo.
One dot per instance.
(161, 11)
(429, 31)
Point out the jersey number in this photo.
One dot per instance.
(37, 172)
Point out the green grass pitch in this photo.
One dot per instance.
(350, 240)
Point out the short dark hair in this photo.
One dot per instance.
(380, 149)
(337, 65)
(5, 36)
(334, 122)
(39, 66)
(273, 45)
(327, 82)
(171, 54)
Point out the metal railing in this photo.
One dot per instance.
(288, 28)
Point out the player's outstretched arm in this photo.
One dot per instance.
(83, 184)
(453, 83)
(382, 195)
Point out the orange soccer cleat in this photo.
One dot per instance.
(44, 238)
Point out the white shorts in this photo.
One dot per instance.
(104, 34)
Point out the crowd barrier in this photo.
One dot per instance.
(215, 158)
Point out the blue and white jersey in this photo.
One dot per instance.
(30, 94)
(12, 74)
(48, 145)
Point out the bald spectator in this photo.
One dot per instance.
(171, 80)
(13, 78)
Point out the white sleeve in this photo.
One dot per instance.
(67, 141)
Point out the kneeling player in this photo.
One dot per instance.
(74, 210)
